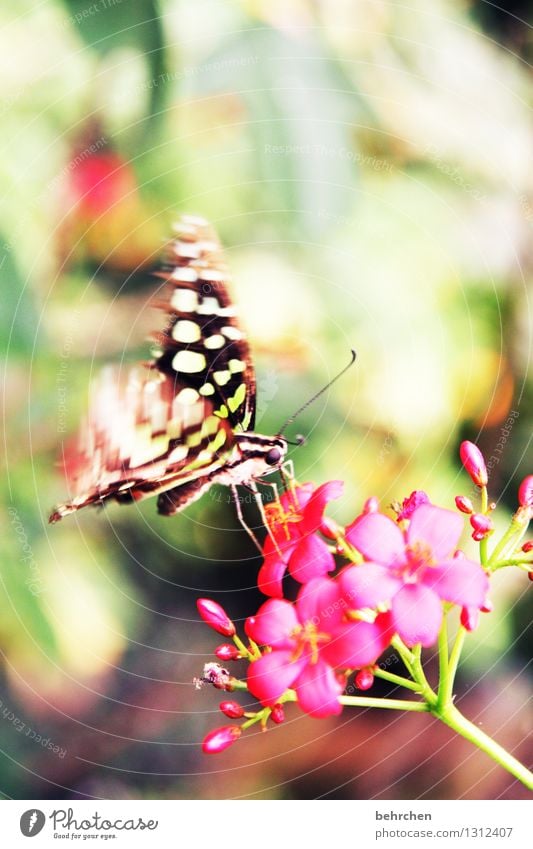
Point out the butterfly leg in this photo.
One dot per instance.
(240, 516)
(252, 485)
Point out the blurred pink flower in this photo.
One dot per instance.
(412, 571)
(310, 640)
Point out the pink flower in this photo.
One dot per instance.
(412, 571)
(410, 504)
(310, 640)
(294, 523)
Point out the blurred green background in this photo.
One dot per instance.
(368, 167)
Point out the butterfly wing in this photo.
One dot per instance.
(171, 423)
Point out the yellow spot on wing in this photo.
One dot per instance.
(207, 389)
(184, 300)
(187, 396)
(236, 366)
(186, 331)
(214, 342)
(222, 377)
(189, 362)
(235, 402)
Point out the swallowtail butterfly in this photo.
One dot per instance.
(184, 421)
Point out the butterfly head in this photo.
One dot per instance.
(259, 454)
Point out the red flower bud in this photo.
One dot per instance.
(469, 618)
(278, 714)
(488, 607)
(215, 616)
(249, 626)
(530, 576)
(525, 492)
(481, 524)
(371, 505)
(527, 547)
(473, 461)
(227, 652)
(364, 679)
(232, 709)
(464, 504)
(477, 536)
(220, 738)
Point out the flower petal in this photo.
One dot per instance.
(320, 602)
(314, 509)
(282, 545)
(417, 614)
(378, 538)
(273, 624)
(357, 644)
(272, 674)
(438, 528)
(318, 690)
(270, 576)
(311, 559)
(367, 585)
(461, 581)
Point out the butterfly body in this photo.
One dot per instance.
(185, 421)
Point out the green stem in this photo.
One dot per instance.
(396, 679)
(443, 661)
(404, 653)
(391, 704)
(419, 676)
(483, 543)
(453, 664)
(455, 720)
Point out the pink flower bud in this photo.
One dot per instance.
(464, 504)
(278, 714)
(220, 738)
(371, 505)
(527, 547)
(488, 607)
(227, 652)
(525, 492)
(364, 679)
(477, 536)
(232, 709)
(458, 555)
(473, 461)
(481, 524)
(469, 618)
(215, 616)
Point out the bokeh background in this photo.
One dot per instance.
(368, 167)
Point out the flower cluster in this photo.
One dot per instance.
(396, 579)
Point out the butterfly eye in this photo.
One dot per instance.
(273, 457)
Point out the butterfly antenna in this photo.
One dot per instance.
(314, 398)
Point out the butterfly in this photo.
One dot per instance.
(184, 421)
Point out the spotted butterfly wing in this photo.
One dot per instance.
(184, 421)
